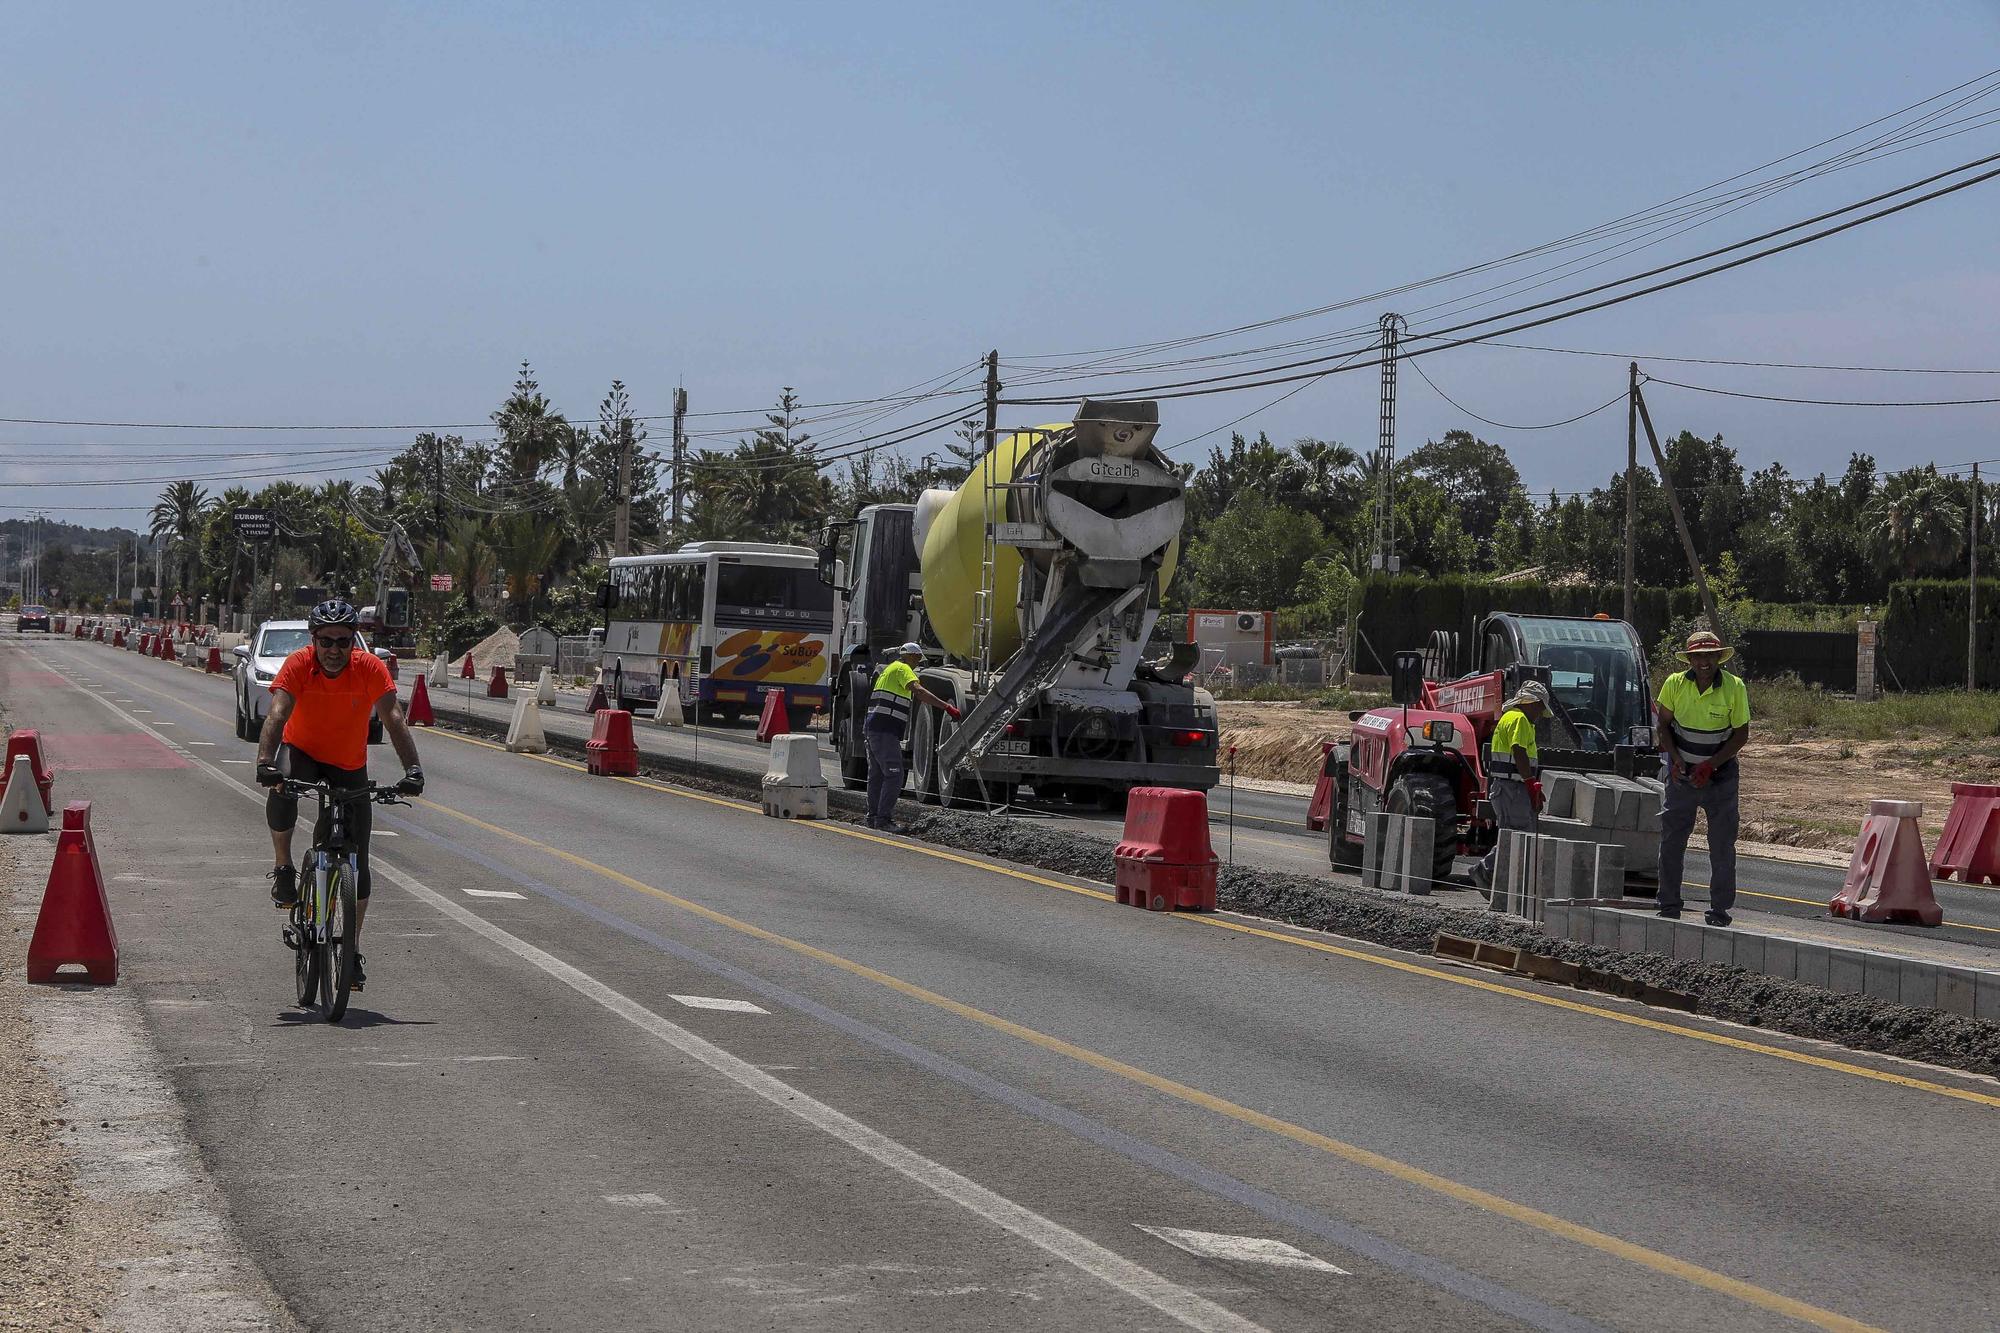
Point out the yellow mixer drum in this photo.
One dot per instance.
(950, 557)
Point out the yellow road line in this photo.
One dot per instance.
(1319, 946)
(1657, 1261)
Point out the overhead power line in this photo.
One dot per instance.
(1824, 402)
(1616, 398)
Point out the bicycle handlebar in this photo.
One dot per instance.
(326, 791)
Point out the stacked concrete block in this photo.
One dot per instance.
(1607, 870)
(1374, 844)
(1559, 795)
(1417, 857)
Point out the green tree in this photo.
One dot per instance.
(1917, 525)
(1478, 480)
(532, 433)
(178, 518)
(1253, 556)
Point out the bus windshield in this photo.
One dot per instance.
(772, 592)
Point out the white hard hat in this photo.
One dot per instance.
(910, 649)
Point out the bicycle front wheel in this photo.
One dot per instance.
(341, 940)
(305, 954)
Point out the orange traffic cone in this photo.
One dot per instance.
(419, 711)
(775, 720)
(466, 672)
(74, 925)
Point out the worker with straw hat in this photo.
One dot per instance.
(1704, 722)
(1512, 767)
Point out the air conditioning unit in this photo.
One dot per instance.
(1250, 622)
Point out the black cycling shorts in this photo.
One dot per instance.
(281, 812)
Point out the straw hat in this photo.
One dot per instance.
(1531, 692)
(1705, 641)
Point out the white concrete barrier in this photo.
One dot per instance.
(794, 784)
(524, 732)
(440, 673)
(545, 688)
(667, 712)
(21, 808)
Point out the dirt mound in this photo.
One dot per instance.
(496, 649)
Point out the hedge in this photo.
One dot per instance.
(1399, 613)
(1923, 634)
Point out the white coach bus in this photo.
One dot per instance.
(722, 624)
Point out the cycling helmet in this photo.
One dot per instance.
(333, 611)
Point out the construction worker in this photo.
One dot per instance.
(1704, 722)
(1512, 770)
(888, 717)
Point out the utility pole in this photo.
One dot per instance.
(437, 501)
(1680, 519)
(1972, 596)
(992, 399)
(679, 451)
(1385, 450)
(621, 531)
(1631, 489)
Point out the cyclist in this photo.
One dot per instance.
(317, 730)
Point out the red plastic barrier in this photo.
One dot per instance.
(1970, 845)
(611, 751)
(419, 712)
(1165, 861)
(146, 645)
(164, 649)
(118, 638)
(1888, 879)
(28, 741)
(776, 719)
(466, 672)
(74, 926)
(395, 667)
(79, 629)
(215, 666)
(1322, 802)
(497, 687)
(59, 625)
(597, 702)
(99, 636)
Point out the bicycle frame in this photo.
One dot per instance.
(314, 910)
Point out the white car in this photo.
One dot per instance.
(257, 665)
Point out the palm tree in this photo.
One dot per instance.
(178, 516)
(1915, 523)
(468, 557)
(526, 546)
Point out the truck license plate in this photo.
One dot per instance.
(1010, 747)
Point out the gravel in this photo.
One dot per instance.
(1730, 993)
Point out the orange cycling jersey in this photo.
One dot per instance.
(329, 718)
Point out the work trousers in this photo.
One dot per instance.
(1514, 809)
(1678, 805)
(885, 771)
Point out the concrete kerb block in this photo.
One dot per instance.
(1374, 838)
(1750, 951)
(1958, 991)
(1718, 945)
(1846, 971)
(1607, 870)
(1986, 996)
(1781, 958)
(525, 734)
(1631, 932)
(1882, 977)
(1815, 963)
(1595, 803)
(1391, 874)
(1577, 925)
(1917, 983)
(1555, 920)
(1416, 847)
(1559, 795)
(1687, 940)
(1659, 936)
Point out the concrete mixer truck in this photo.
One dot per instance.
(1033, 588)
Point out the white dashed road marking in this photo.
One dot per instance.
(1243, 1249)
(493, 893)
(710, 1002)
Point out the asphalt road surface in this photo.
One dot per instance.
(1269, 829)
(636, 1058)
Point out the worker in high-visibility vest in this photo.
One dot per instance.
(883, 728)
(1513, 770)
(1704, 723)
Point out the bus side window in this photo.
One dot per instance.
(653, 581)
(697, 591)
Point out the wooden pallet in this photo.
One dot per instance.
(1524, 962)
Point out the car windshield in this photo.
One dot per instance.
(281, 642)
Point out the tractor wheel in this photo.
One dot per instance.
(1343, 852)
(1431, 797)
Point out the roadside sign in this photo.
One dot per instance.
(440, 583)
(255, 523)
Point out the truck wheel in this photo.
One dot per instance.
(1342, 852)
(923, 757)
(853, 771)
(1430, 796)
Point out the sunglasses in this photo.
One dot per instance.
(338, 643)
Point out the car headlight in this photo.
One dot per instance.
(261, 677)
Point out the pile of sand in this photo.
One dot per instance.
(496, 649)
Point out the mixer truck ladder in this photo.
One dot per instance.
(1074, 616)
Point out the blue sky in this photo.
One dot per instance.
(370, 213)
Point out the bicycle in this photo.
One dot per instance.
(320, 932)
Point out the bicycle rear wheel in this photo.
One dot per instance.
(341, 939)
